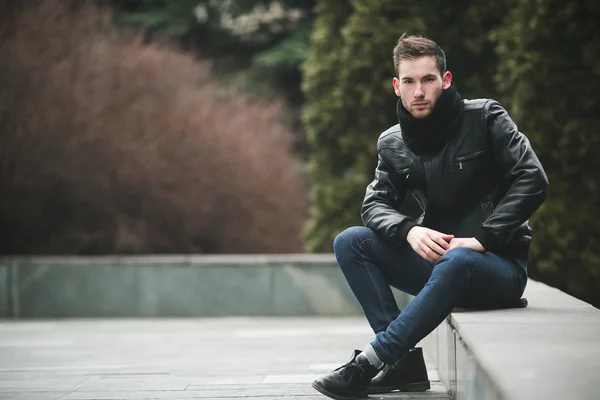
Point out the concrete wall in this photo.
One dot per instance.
(174, 286)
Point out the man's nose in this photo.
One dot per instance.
(419, 91)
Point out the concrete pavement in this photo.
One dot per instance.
(195, 358)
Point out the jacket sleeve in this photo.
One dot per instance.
(380, 207)
(525, 178)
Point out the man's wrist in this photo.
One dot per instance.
(404, 227)
(487, 239)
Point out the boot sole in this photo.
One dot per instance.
(409, 387)
(362, 395)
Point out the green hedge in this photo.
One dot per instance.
(549, 78)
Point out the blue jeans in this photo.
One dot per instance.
(461, 278)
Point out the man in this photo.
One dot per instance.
(477, 180)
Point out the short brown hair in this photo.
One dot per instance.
(412, 47)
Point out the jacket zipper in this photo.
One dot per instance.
(467, 158)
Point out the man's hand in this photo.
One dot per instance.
(469, 243)
(429, 244)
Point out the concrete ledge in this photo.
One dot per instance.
(549, 350)
(175, 286)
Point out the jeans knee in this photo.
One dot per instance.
(460, 253)
(456, 262)
(350, 239)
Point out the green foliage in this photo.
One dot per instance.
(171, 17)
(549, 78)
(286, 54)
(319, 117)
(276, 69)
(462, 29)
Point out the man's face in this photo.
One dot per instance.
(419, 85)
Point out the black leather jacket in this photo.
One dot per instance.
(485, 183)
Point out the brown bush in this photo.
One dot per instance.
(111, 146)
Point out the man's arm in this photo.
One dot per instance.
(384, 195)
(521, 169)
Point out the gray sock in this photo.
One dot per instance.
(374, 360)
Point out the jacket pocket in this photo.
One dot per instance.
(460, 161)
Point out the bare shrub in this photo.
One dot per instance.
(108, 145)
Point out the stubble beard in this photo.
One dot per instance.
(421, 113)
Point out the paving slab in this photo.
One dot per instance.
(189, 358)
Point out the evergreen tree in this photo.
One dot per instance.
(549, 75)
(463, 30)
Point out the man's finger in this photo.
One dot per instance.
(441, 242)
(446, 236)
(433, 256)
(423, 253)
(437, 248)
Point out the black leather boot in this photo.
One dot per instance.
(350, 381)
(408, 374)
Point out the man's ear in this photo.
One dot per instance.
(396, 83)
(447, 80)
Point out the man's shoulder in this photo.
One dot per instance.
(391, 136)
(479, 105)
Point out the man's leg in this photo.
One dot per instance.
(462, 277)
(371, 265)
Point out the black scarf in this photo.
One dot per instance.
(428, 135)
